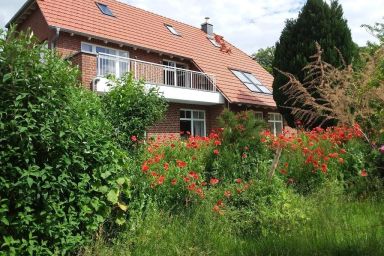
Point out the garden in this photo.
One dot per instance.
(78, 175)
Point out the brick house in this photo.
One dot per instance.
(198, 72)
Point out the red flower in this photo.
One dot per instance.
(217, 143)
(364, 173)
(180, 163)
(219, 203)
(166, 166)
(227, 193)
(341, 160)
(186, 179)
(246, 148)
(216, 151)
(343, 151)
(324, 168)
(216, 208)
(194, 175)
(203, 183)
(192, 187)
(173, 182)
(133, 138)
(284, 172)
(214, 181)
(145, 168)
(161, 180)
(244, 155)
(238, 181)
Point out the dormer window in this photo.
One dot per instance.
(251, 82)
(172, 30)
(104, 9)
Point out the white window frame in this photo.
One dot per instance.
(119, 54)
(251, 80)
(173, 69)
(213, 41)
(259, 112)
(197, 119)
(274, 121)
(172, 29)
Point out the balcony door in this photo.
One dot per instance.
(175, 74)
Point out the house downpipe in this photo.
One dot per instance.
(55, 38)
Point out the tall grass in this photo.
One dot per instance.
(336, 226)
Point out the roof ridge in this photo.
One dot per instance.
(153, 13)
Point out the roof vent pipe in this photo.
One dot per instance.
(207, 27)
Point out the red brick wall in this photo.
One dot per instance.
(170, 125)
(39, 26)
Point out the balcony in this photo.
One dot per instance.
(175, 84)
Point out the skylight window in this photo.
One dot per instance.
(172, 30)
(104, 9)
(213, 41)
(251, 82)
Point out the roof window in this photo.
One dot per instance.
(251, 82)
(172, 30)
(104, 9)
(214, 42)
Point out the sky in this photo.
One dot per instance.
(248, 24)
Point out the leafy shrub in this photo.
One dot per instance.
(266, 207)
(132, 109)
(241, 152)
(61, 175)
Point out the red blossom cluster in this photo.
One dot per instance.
(318, 146)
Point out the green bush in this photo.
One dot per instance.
(132, 109)
(241, 152)
(266, 207)
(61, 175)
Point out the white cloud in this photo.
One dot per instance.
(248, 24)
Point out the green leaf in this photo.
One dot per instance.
(29, 181)
(5, 220)
(120, 181)
(120, 221)
(113, 196)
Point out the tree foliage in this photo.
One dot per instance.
(61, 175)
(317, 22)
(265, 56)
(132, 109)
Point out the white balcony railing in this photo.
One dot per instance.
(154, 74)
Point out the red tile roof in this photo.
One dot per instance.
(138, 27)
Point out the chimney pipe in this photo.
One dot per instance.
(207, 27)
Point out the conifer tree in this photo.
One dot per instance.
(319, 22)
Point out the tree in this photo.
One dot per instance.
(317, 22)
(132, 108)
(265, 56)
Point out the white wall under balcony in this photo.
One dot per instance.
(189, 96)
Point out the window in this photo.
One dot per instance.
(251, 82)
(192, 122)
(109, 61)
(175, 74)
(213, 41)
(104, 9)
(259, 115)
(172, 30)
(275, 121)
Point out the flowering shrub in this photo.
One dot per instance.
(182, 170)
(310, 157)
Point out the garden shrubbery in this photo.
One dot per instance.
(61, 174)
